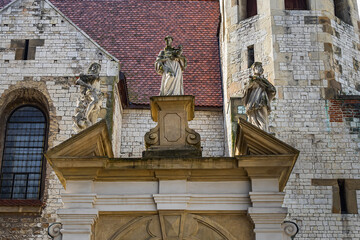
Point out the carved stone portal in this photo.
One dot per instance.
(172, 137)
(172, 226)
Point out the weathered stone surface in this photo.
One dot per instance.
(185, 226)
(298, 50)
(91, 99)
(47, 78)
(172, 137)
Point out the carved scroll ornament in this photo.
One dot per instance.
(54, 231)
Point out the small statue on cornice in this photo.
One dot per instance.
(170, 63)
(258, 92)
(90, 101)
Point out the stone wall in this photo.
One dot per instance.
(116, 123)
(329, 150)
(318, 54)
(63, 53)
(136, 122)
(311, 56)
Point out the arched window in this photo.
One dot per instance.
(22, 161)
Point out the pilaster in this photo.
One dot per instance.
(77, 223)
(267, 212)
(78, 215)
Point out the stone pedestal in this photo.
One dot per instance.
(172, 137)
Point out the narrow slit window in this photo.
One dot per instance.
(26, 50)
(296, 5)
(22, 162)
(342, 192)
(251, 56)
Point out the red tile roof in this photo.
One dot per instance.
(133, 31)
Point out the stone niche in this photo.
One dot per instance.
(172, 137)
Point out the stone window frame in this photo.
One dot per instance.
(24, 205)
(25, 49)
(344, 197)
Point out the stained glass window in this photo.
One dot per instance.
(22, 160)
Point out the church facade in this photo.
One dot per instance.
(309, 50)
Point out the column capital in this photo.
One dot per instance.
(82, 200)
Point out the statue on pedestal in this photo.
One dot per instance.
(258, 92)
(172, 110)
(170, 63)
(90, 101)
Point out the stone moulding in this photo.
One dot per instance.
(88, 156)
(173, 225)
(96, 186)
(93, 142)
(257, 151)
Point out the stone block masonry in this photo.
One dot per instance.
(312, 57)
(309, 115)
(328, 150)
(135, 123)
(59, 52)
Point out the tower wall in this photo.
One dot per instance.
(311, 56)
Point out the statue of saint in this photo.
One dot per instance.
(170, 63)
(258, 92)
(90, 100)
